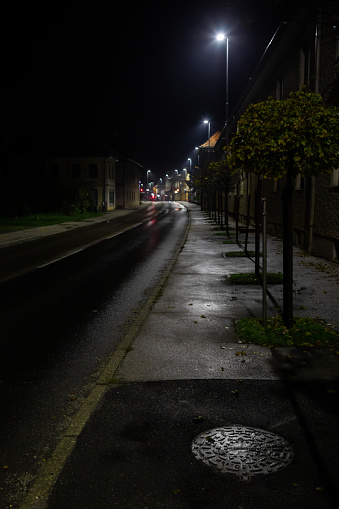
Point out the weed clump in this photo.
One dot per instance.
(306, 333)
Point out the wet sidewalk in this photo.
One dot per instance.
(188, 417)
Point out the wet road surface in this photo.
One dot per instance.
(59, 325)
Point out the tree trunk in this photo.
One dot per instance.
(257, 227)
(221, 210)
(226, 211)
(236, 213)
(248, 216)
(288, 251)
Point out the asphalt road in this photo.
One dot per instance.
(62, 319)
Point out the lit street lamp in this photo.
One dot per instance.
(209, 138)
(190, 160)
(209, 127)
(222, 37)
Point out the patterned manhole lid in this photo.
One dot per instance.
(242, 450)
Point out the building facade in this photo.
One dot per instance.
(110, 179)
(301, 53)
(95, 174)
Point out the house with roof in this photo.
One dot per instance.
(89, 163)
(206, 151)
(300, 53)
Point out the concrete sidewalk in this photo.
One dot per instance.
(184, 375)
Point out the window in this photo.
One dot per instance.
(276, 185)
(93, 171)
(299, 184)
(111, 197)
(279, 93)
(76, 171)
(305, 66)
(111, 172)
(335, 178)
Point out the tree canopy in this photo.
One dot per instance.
(216, 175)
(298, 134)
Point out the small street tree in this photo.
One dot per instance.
(285, 138)
(216, 182)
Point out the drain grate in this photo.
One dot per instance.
(242, 450)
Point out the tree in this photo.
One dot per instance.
(217, 181)
(275, 139)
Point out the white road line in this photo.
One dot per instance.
(71, 253)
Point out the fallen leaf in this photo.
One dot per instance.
(199, 418)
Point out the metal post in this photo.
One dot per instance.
(226, 94)
(264, 262)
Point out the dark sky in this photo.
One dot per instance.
(143, 74)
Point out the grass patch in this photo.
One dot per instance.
(235, 254)
(306, 332)
(250, 278)
(8, 224)
(229, 242)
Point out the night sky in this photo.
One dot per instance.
(142, 74)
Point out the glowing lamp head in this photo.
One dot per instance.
(220, 37)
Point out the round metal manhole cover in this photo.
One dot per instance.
(242, 450)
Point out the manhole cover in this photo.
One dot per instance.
(242, 450)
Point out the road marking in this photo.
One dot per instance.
(75, 251)
(66, 255)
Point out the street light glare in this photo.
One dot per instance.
(206, 121)
(220, 37)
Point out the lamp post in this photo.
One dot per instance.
(148, 172)
(222, 37)
(190, 161)
(209, 128)
(209, 139)
(197, 149)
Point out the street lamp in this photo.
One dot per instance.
(209, 127)
(190, 160)
(197, 148)
(209, 137)
(222, 37)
